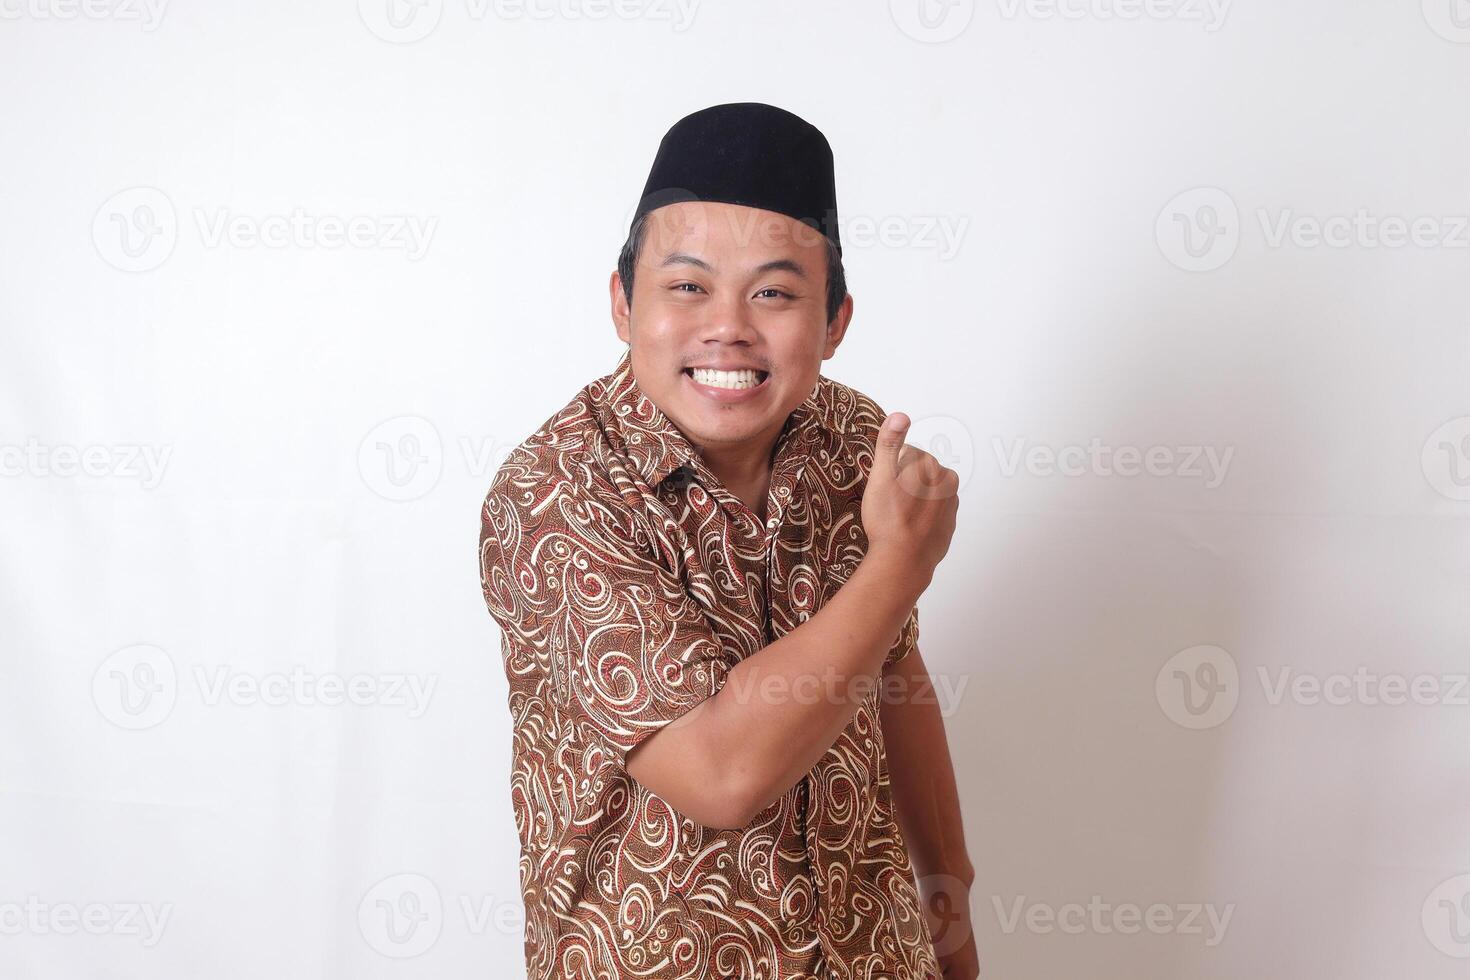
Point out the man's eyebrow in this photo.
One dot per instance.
(782, 265)
(775, 265)
(683, 258)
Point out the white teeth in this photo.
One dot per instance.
(726, 379)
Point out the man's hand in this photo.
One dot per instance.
(947, 911)
(910, 502)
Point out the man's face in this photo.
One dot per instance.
(727, 286)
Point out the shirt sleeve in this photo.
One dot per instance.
(576, 587)
(908, 639)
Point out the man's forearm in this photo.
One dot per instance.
(782, 708)
(921, 776)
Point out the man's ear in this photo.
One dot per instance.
(621, 311)
(837, 329)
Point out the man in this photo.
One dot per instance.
(705, 570)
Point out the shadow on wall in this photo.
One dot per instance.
(1083, 616)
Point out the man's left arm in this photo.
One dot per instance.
(924, 793)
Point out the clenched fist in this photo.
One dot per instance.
(910, 502)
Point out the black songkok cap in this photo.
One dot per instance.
(747, 153)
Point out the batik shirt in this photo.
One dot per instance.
(627, 581)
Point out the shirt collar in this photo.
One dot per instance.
(655, 445)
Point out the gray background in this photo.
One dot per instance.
(1074, 226)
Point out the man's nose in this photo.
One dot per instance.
(729, 321)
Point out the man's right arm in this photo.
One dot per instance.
(735, 753)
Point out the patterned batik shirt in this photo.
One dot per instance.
(627, 581)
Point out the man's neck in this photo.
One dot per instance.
(745, 471)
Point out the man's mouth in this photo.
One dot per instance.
(733, 380)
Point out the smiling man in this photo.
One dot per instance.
(728, 761)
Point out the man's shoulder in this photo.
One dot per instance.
(850, 416)
(566, 454)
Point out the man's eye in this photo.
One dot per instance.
(778, 292)
(681, 285)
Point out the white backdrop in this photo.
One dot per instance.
(1179, 286)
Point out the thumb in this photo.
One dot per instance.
(890, 442)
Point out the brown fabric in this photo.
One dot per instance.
(627, 581)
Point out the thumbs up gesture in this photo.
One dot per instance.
(910, 502)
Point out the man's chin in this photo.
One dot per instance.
(714, 426)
